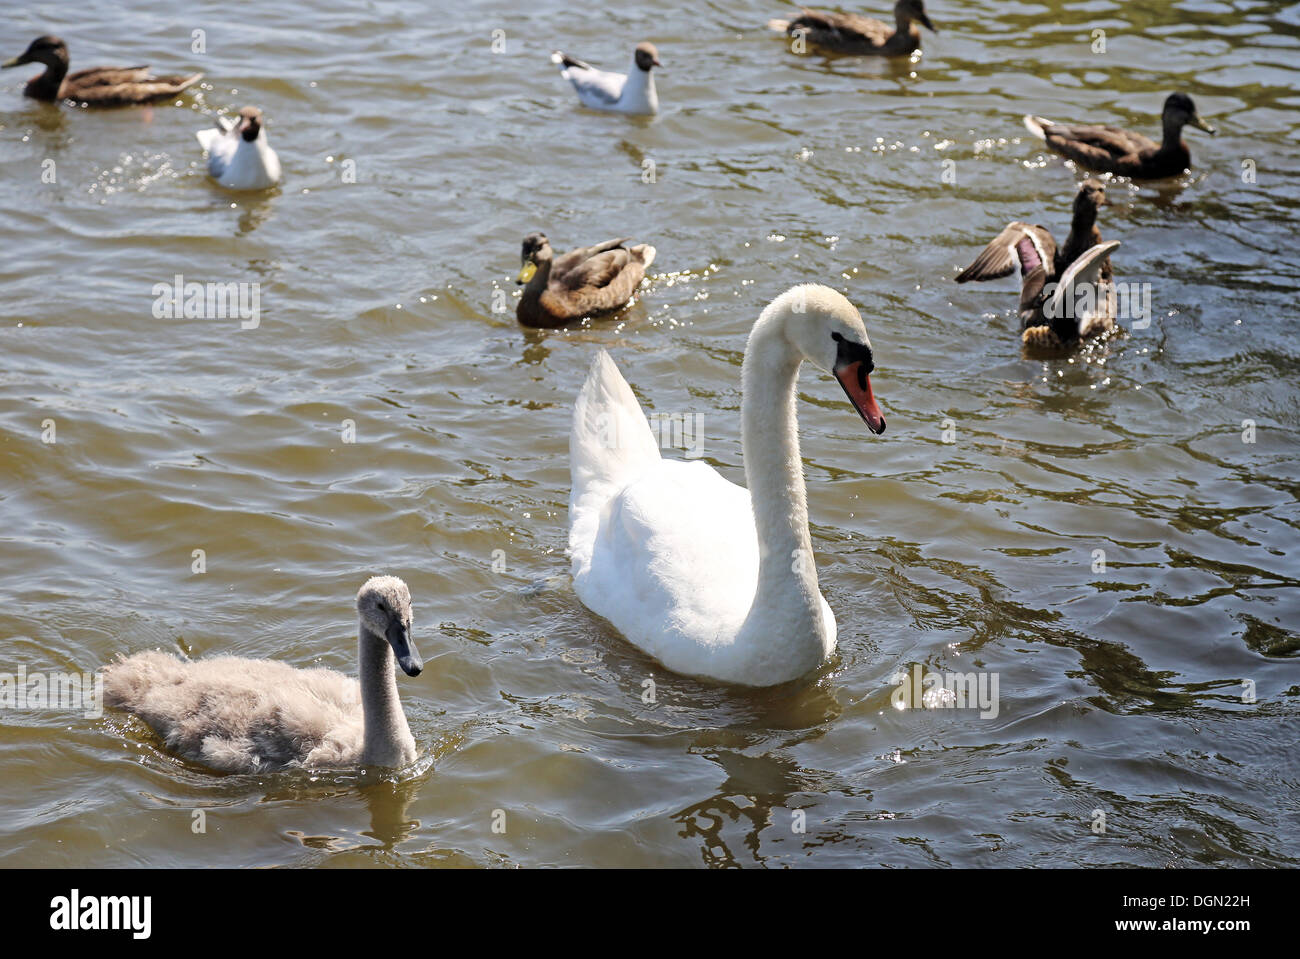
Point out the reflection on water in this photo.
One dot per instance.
(1111, 535)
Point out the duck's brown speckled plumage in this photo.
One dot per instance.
(851, 33)
(582, 282)
(98, 86)
(1109, 149)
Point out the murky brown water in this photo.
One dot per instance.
(1120, 690)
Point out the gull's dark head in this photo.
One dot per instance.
(647, 57)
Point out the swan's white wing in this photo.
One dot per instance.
(609, 446)
(665, 550)
(674, 564)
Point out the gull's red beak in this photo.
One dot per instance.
(857, 386)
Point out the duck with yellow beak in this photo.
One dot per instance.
(583, 282)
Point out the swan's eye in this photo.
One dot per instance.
(836, 337)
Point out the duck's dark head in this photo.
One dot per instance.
(535, 251)
(906, 11)
(48, 50)
(647, 57)
(250, 123)
(1180, 111)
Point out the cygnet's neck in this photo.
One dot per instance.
(388, 740)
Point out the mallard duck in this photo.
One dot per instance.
(614, 92)
(854, 34)
(593, 279)
(1107, 149)
(96, 87)
(1051, 275)
(239, 158)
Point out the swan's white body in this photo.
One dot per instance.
(633, 92)
(710, 579)
(236, 163)
(255, 715)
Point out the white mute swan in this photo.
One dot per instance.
(712, 580)
(251, 715)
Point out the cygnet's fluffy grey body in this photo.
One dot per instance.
(253, 715)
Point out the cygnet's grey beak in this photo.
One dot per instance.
(399, 637)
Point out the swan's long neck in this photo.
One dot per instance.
(787, 576)
(387, 736)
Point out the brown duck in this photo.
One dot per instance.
(1107, 149)
(592, 279)
(96, 87)
(1052, 277)
(853, 34)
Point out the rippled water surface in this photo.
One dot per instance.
(1121, 686)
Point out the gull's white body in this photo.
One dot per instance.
(633, 92)
(691, 569)
(236, 163)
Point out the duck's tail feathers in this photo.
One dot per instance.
(1037, 125)
(646, 252)
(779, 25)
(610, 444)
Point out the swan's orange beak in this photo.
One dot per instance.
(857, 386)
(853, 366)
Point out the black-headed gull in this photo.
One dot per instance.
(614, 92)
(239, 158)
